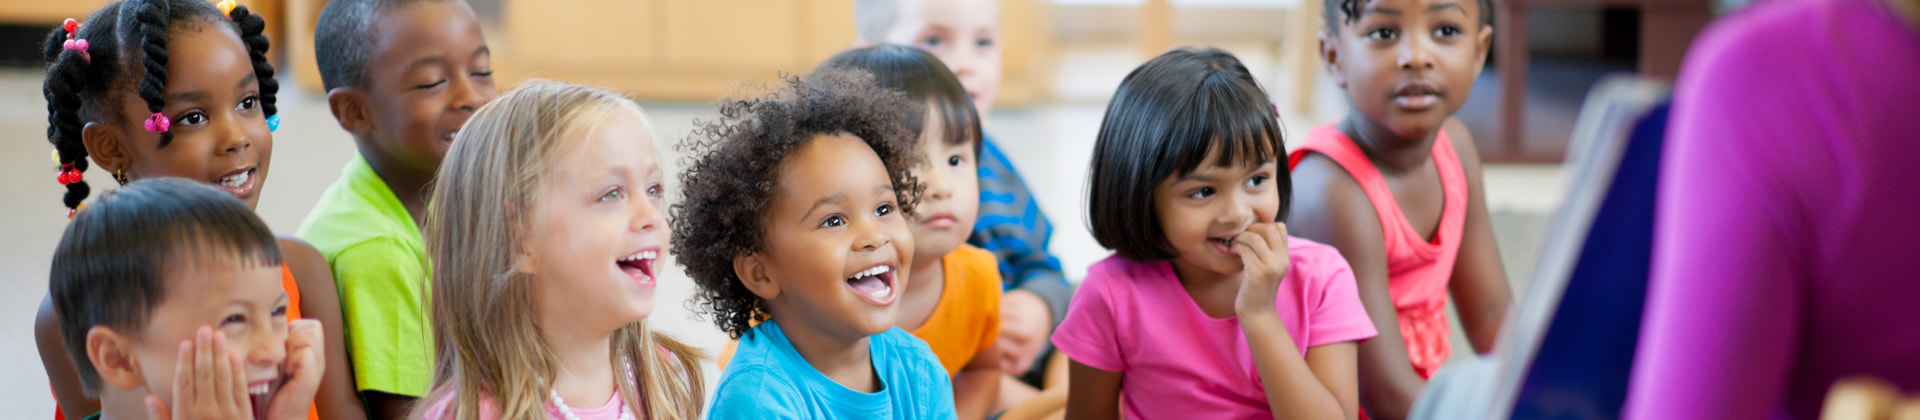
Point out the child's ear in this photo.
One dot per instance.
(349, 107)
(112, 356)
(1330, 57)
(1486, 44)
(752, 270)
(107, 146)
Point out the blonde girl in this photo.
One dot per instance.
(545, 228)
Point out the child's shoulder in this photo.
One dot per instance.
(357, 208)
(974, 268)
(1314, 259)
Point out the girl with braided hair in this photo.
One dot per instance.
(175, 88)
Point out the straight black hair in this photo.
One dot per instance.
(1167, 117)
(925, 80)
(111, 265)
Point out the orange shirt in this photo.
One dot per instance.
(966, 320)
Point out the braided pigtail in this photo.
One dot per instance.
(66, 81)
(251, 27)
(150, 17)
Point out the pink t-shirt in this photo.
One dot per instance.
(1177, 362)
(489, 410)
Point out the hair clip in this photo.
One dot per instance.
(158, 123)
(273, 123)
(72, 27)
(68, 174)
(226, 8)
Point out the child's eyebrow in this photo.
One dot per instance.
(1445, 6)
(1380, 10)
(423, 62)
(823, 201)
(191, 96)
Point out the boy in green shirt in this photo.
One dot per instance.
(401, 76)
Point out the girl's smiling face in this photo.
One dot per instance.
(597, 230)
(1202, 211)
(220, 133)
(837, 244)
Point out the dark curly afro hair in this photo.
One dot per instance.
(734, 163)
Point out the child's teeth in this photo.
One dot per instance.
(257, 389)
(235, 180)
(880, 293)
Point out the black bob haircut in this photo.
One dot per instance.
(734, 165)
(1168, 116)
(344, 39)
(111, 265)
(924, 79)
(1348, 11)
(127, 49)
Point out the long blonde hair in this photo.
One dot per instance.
(488, 342)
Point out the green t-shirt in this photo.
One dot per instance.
(380, 266)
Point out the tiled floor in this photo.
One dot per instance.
(1048, 144)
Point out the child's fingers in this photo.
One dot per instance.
(237, 393)
(157, 409)
(202, 363)
(182, 373)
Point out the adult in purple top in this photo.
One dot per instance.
(1787, 232)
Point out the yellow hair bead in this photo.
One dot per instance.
(226, 8)
(56, 156)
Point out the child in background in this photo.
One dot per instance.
(545, 232)
(1208, 309)
(401, 77)
(965, 34)
(797, 207)
(952, 299)
(169, 298)
(203, 110)
(1395, 186)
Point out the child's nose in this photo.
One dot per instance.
(646, 217)
(868, 236)
(1415, 53)
(467, 95)
(1239, 210)
(265, 350)
(936, 182)
(233, 137)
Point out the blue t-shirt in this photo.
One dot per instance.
(767, 379)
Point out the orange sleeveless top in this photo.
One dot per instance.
(1417, 269)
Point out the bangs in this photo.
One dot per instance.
(1225, 121)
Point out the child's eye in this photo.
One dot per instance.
(932, 42)
(833, 220)
(1447, 31)
(983, 43)
(1382, 34)
(431, 85)
(953, 160)
(234, 319)
(655, 191)
(883, 210)
(1202, 192)
(1256, 181)
(488, 73)
(194, 117)
(615, 194)
(280, 311)
(249, 102)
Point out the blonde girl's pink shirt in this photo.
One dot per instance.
(489, 410)
(1176, 362)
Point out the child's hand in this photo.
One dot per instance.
(208, 382)
(1263, 251)
(1025, 324)
(303, 368)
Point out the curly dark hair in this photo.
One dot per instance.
(733, 165)
(127, 49)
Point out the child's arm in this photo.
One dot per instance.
(978, 384)
(1479, 283)
(382, 296)
(1094, 394)
(319, 300)
(1345, 220)
(67, 392)
(1296, 387)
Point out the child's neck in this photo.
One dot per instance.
(409, 186)
(121, 404)
(847, 361)
(1389, 152)
(925, 285)
(584, 374)
(1213, 292)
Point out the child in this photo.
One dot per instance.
(797, 206)
(952, 299)
(202, 110)
(169, 300)
(545, 232)
(965, 34)
(1208, 309)
(1396, 186)
(401, 77)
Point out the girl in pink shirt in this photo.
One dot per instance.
(1208, 309)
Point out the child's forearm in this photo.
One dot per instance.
(975, 389)
(1293, 391)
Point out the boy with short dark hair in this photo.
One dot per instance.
(401, 77)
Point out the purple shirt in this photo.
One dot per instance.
(1788, 227)
(1177, 362)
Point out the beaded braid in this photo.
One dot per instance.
(66, 80)
(251, 27)
(151, 15)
